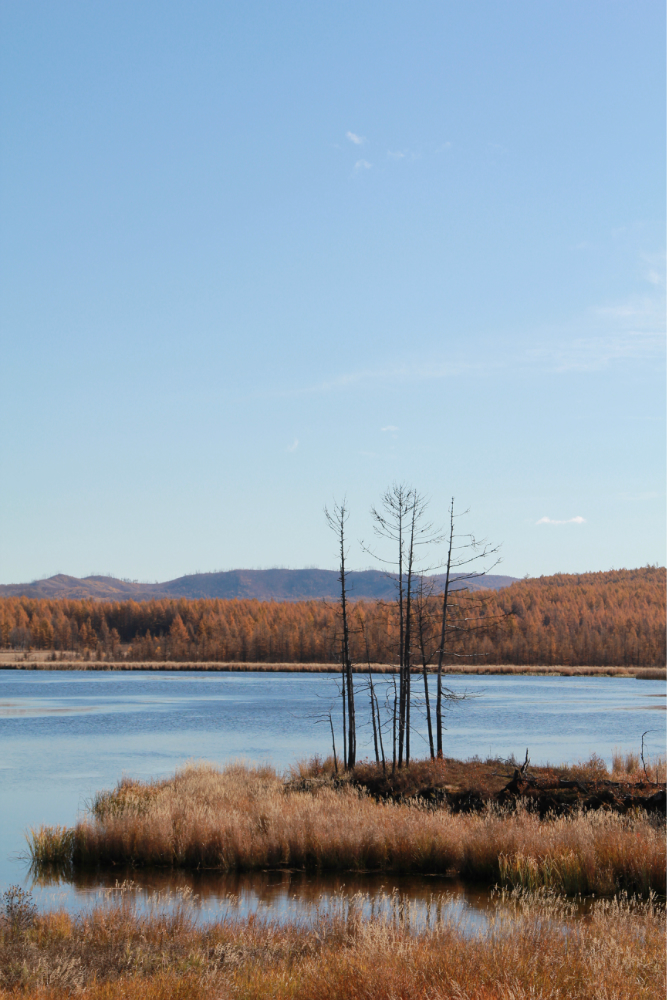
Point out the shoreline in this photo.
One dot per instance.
(115, 952)
(537, 670)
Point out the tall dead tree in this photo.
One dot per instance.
(401, 520)
(425, 621)
(376, 719)
(337, 519)
(463, 552)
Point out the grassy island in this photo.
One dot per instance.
(577, 830)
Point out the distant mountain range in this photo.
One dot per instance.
(260, 584)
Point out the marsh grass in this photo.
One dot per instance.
(43, 660)
(52, 845)
(483, 778)
(629, 765)
(652, 674)
(534, 945)
(243, 818)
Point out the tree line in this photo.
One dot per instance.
(589, 619)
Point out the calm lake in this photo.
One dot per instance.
(66, 734)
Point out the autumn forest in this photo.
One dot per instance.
(596, 619)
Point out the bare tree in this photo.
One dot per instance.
(337, 519)
(376, 718)
(326, 716)
(401, 519)
(425, 622)
(464, 552)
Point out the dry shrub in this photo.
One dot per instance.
(534, 946)
(594, 769)
(243, 818)
(622, 764)
(312, 767)
(656, 769)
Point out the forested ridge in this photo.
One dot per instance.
(592, 619)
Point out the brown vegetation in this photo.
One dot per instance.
(243, 818)
(474, 784)
(594, 619)
(45, 660)
(535, 945)
(52, 661)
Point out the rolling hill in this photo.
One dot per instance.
(259, 584)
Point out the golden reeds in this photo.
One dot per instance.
(39, 662)
(53, 845)
(533, 946)
(244, 818)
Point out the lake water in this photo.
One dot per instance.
(66, 734)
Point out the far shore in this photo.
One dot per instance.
(43, 661)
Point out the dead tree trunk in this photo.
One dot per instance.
(343, 694)
(390, 522)
(362, 628)
(393, 763)
(333, 743)
(379, 718)
(408, 628)
(337, 520)
(456, 622)
(443, 633)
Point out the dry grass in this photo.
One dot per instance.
(624, 764)
(534, 946)
(484, 779)
(243, 818)
(629, 766)
(42, 660)
(652, 674)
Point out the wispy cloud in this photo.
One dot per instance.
(405, 154)
(362, 165)
(591, 353)
(294, 445)
(648, 495)
(358, 140)
(416, 154)
(389, 427)
(623, 332)
(628, 330)
(398, 374)
(654, 269)
(569, 520)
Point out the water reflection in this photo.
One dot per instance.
(411, 902)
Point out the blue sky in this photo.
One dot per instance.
(258, 255)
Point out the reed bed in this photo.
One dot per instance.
(652, 674)
(244, 818)
(44, 662)
(533, 946)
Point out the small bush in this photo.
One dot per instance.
(19, 910)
